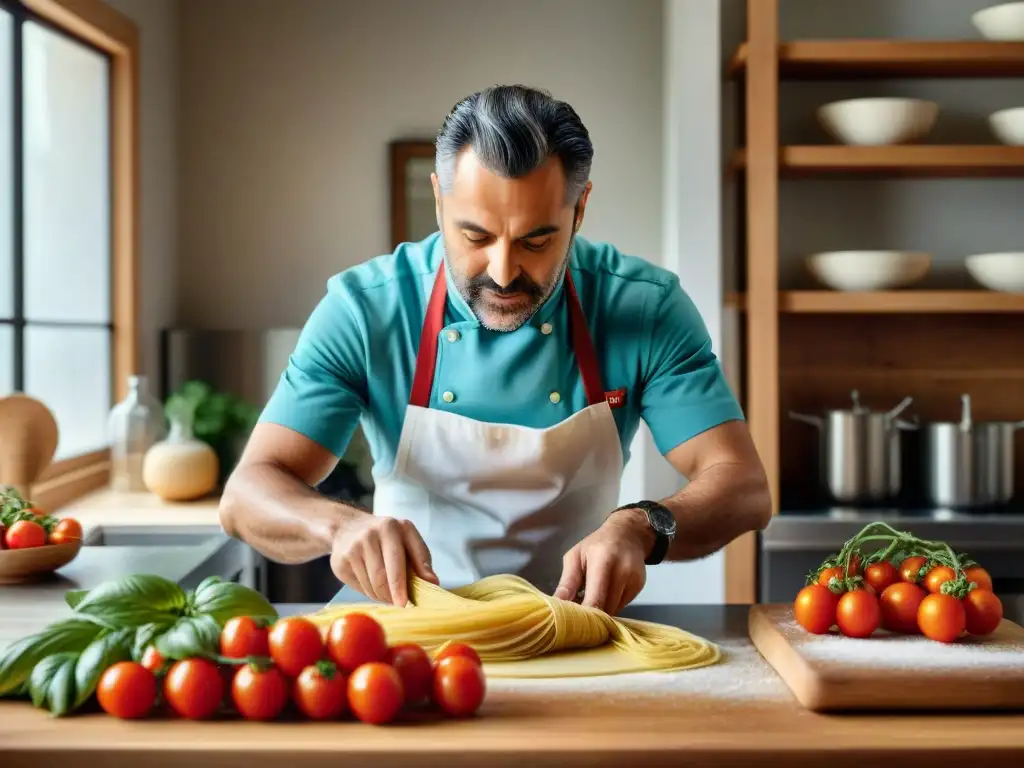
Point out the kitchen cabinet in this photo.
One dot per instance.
(805, 350)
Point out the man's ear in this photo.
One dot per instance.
(437, 199)
(581, 206)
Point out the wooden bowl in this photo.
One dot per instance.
(18, 566)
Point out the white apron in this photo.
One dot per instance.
(497, 498)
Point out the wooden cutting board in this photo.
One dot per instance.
(891, 672)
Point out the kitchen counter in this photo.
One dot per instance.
(735, 713)
(107, 507)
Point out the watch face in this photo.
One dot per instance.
(661, 519)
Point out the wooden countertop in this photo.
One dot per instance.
(107, 507)
(737, 713)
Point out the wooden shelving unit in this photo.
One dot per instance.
(906, 161)
(805, 350)
(891, 302)
(847, 59)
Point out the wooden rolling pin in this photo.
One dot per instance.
(28, 441)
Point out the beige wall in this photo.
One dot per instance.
(287, 108)
(158, 25)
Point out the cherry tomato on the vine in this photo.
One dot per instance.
(858, 614)
(815, 608)
(899, 603)
(983, 612)
(126, 690)
(194, 688)
(356, 639)
(881, 575)
(242, 637)
(295, 644)
(321, 691)
(979, 576)
(416, 670)
(259, 694)
(941, 617)
(458, 649)
(910, 568)
(938, 576)
(459, 686)
(375, 693)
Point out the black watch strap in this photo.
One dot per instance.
(662, 524)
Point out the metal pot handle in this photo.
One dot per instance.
(903, 405)
(907, 424)
(814, 421)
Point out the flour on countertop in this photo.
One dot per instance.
(742, 673)
(891, 651)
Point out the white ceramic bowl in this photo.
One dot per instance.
(1008, 125)
(868, 270)
(1001, 22)
(998, 271)
(877, 122)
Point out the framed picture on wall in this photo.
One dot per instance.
(412, 197)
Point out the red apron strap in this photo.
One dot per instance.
(583, 345)
(426, 358)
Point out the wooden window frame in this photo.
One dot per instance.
(101, 26)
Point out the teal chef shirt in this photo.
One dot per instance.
(356, 356)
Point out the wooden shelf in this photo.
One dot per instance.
(891, 302)
(899, 161)
(835, 59)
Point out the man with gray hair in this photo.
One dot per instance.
(500, 369)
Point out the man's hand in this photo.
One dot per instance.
(609, 563)
(372, 554)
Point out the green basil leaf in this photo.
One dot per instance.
(145, 636)
(74, 597)
(102, 653)
(53, 683)
(134, 601)
(190, 636)
(225, 599)
(18, 661)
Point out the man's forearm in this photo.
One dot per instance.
(280, 516)
(725, 501)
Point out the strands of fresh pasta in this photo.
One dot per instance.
(521, 632)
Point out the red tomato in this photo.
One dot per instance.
(69, 529)
(881, 575)
(826, 575)
(941, 617)
(152, 660)
(858, 614)
(375, 693)
(898, 604)
(126, 690)
(909, 568)
(242, 636)
(194, 688)
(458, 649)
(979, 576)
(295, 644)
(416, 670)
(459, 686)
(321, 692)
(259, 694)
(982, 612)
(815, 608)
(938, 576)
(356, 639)
(25, 534)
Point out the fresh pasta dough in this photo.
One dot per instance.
(521, 632)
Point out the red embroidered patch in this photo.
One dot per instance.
(616, 399)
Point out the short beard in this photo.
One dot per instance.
(506, 319)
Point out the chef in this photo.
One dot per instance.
(499, 369)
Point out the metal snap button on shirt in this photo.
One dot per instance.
(448, 397)
(546, 329)
(452, 336)
(554, 397)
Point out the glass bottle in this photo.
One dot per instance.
(134, 426)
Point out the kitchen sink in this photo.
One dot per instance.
(150, 536)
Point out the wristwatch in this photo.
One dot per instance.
(662, 522)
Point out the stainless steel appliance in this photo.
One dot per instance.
(860, 458)
(248, 363)
(969, 464)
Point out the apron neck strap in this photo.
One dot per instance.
(426, 357)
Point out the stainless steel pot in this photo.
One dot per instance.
(969, 464)
(860, 452)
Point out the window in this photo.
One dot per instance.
(68, 217)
